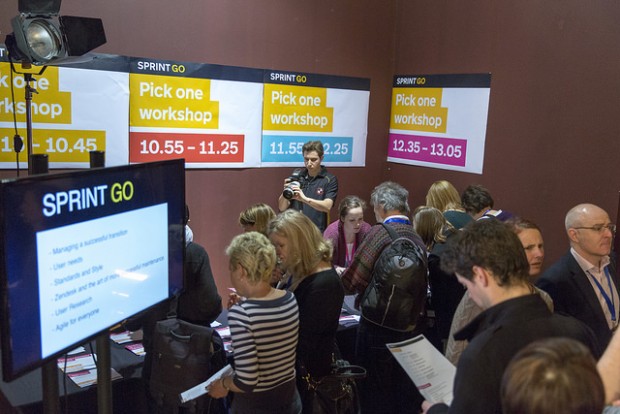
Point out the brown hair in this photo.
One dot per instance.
(349, 203)
(443, 196)
(553, 375)
(519, 224)
(490, 244)
(431, 225)
(313, 146)
(257, 215)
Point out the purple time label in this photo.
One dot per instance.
(438, 150)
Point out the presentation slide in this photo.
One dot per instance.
(82, 291)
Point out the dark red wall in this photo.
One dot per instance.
(552, 130)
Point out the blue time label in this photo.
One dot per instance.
(282, 148)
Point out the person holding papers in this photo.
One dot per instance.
(264, 328)
(488, 259)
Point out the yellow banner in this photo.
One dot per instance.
(61, 145)
(172, 102)
(296, 108)
(418, 109)
(49, 105)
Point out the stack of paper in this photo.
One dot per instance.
(82, 370)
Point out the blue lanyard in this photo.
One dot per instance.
(397, 220)
(610, 302)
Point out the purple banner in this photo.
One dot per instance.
(447, 151)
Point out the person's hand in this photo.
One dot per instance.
(286, 181)
(216, 389)
(233, 299)
(299, 194)
(425, 406)
(276, 275)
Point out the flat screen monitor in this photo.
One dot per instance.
(82, 251)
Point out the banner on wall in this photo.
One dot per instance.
(208, 114)
(74, 111)
(213, 116)
(301, 107)
(439, 121)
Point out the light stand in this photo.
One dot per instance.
(28, 91)
(35, 161)
(104, 359)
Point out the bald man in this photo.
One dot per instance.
(583, 283)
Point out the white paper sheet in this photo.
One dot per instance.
(429, 370)
(201, 389)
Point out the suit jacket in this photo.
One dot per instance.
(572, 294)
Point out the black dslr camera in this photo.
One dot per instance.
(296, 179)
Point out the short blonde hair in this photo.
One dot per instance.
(257, 215)
(443, 196)
(307, 247)
(254, 252)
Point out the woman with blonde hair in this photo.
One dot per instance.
(306, 256)
(264, 331)
(443, 196)
(256, 218)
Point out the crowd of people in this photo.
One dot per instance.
(522, 340)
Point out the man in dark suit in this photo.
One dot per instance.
(583, 283)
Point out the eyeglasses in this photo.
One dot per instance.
(599, 228)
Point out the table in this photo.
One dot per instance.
(26, 391)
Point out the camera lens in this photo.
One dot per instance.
(288, 191)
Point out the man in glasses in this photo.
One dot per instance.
(583, 283)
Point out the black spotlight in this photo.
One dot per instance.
(42, 37)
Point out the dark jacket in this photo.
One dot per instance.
(573, 295)
(495, 336)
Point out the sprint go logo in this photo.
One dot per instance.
(84, 198)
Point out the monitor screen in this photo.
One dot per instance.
(82, 251)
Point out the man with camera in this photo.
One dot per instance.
(311, 190)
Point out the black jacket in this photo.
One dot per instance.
(573, 294)
(495, 336)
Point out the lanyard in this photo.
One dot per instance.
(397, 220)
(610, 301)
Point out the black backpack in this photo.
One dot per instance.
(184, 355)
(396, 295)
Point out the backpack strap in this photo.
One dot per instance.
(390, 231)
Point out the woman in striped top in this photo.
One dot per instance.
(264, 329)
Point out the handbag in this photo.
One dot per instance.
(336, 393)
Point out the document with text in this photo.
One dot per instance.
(429, 370)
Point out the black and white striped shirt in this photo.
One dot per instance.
(264, 338)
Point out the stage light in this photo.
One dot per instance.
(42, 37)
